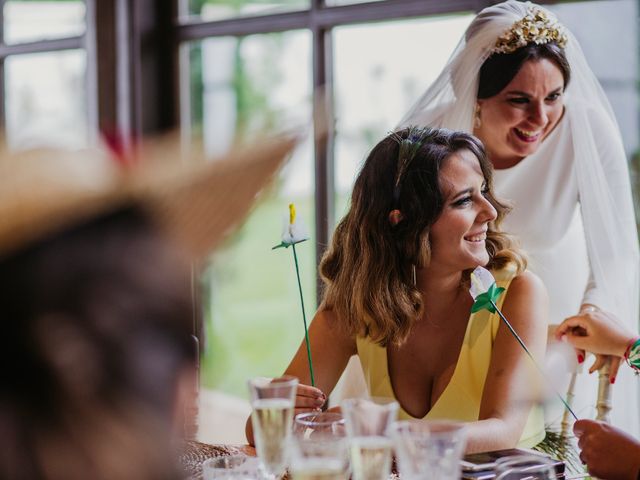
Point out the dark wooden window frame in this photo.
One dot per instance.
(320, 20)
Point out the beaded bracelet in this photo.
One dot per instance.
(632, 355)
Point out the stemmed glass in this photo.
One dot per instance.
(312, 424)
(272, 401)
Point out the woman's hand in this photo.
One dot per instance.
(597, 332)
(309, 399)
(608, 452)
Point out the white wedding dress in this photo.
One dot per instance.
(555, 244)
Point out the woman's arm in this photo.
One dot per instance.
(511, 386)
(331, 349)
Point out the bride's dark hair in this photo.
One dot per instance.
(500, 68)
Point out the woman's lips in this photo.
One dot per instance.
(476, 238)
(527, 136)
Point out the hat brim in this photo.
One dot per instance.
(195, 202)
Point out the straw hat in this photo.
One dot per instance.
(196, 201)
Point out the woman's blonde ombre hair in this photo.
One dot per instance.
(368, 268)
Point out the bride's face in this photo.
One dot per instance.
(516, 121)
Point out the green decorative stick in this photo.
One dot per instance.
(485, 293)
(295, 233)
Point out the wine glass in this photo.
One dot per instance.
(314, 423)
(525, 467)
(272, 402)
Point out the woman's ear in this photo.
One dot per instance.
(395, 217)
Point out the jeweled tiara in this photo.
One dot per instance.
(535, 27)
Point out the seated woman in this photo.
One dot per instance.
(422, 216)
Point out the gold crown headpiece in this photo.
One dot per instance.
(536, 27)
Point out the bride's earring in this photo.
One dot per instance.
(477, 122)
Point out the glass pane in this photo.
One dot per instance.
(221, 9)
(239, 87)
(31, 20)
(377, 80)
(46, 99)
(602, 27)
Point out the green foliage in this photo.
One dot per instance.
(562, 447)
(197, 88)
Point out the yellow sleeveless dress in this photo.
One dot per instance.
(461, 398)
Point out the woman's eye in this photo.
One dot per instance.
(519, 100)
(554, 96)
(462, 201)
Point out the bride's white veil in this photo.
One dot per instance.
(607, 208)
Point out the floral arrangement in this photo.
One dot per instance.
(536, 27)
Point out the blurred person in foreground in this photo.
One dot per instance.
(96, 302)
(608, 452)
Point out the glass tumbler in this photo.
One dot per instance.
(272, 402)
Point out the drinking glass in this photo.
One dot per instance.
(233, 467)
(367, 421)
(525, 467)
(272, 402)
(445, 448)
(323, 456)
(412, 443)
(323, 423)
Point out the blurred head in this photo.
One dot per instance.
(432, 208)
(95, 295)
(96, 343)
(520, 100)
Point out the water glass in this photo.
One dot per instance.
(446, 444)
(412, 443)
(525, 467)
(323, 456)
(272, 402)
(367, 421)
(319, 423)
(234, 467)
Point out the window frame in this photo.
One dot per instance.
(320, 19)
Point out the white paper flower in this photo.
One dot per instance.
(294, 230)
(481, 281)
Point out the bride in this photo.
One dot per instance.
(519, 81)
